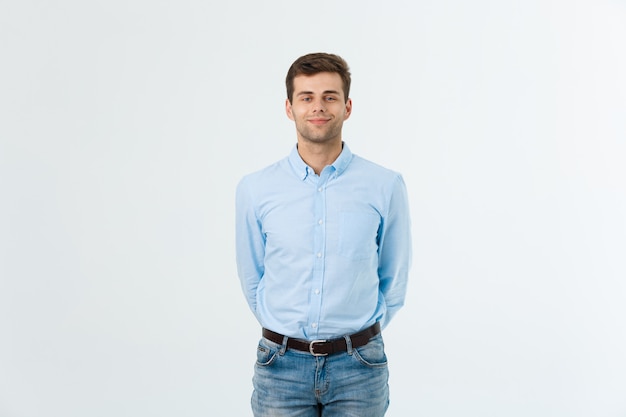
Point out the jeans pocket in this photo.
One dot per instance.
(372, 354)
(266, 352)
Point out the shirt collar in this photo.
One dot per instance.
(299, 167)
(302, 170)
(343, 160)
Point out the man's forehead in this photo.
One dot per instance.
(318, 83)
(319, 78)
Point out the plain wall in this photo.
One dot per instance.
(125, 126)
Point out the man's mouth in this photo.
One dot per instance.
(318, 121)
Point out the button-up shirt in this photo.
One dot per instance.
(321, 256)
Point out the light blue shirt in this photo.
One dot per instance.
(323, 256)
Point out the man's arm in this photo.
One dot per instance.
(394, 251)
(250, 244)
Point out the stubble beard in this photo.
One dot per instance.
(320, 136)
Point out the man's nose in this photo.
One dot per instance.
(319, 105)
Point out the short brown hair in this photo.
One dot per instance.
(314, 63)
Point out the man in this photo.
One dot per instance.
(323, 251)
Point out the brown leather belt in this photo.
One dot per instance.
(325, 347)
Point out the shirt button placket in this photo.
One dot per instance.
(320, 247)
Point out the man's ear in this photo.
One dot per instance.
(348, 109)
(288, 109)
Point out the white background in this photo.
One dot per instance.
(125, 126)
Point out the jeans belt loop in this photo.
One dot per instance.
(348, 344)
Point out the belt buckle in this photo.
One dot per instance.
(311, 346)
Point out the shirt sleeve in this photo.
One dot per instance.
(250, 244)
(394, 251)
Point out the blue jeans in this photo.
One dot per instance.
(291, 383)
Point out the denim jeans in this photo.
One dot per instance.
(291, 383)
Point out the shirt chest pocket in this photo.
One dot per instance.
(358, 233)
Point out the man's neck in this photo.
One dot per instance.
(319, 155)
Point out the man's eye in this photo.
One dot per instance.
(330, 99)
(306, 98)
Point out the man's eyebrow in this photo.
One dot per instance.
(303, 93)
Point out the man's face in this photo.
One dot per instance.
(318, 107)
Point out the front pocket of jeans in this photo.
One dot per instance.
(265, 355)
(372, 354)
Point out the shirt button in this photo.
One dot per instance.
(320, 222)
(314, 325)
(320, 189)
(319, 254)
(317, 291)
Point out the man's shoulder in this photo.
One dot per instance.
(273, 170)
(369, 168)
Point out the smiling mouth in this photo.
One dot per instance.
(318, 121)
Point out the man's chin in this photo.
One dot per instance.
(320, 138)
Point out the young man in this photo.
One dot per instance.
(323, 252)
